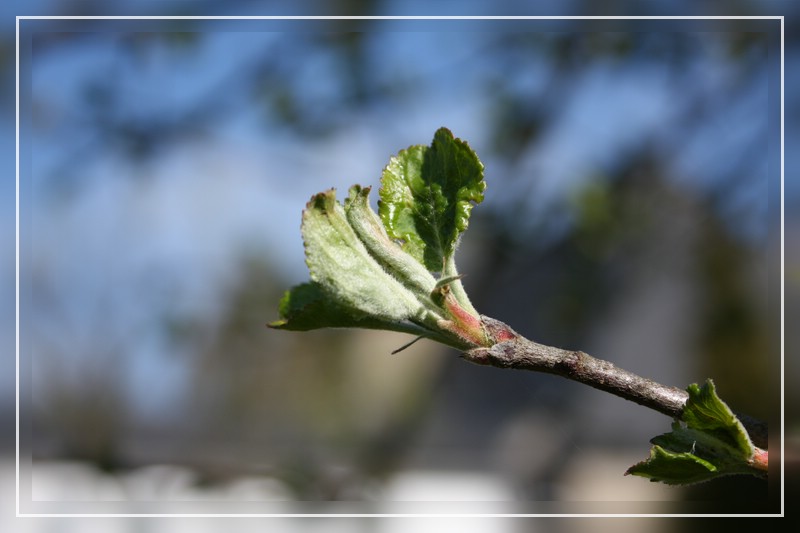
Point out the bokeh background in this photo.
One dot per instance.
(631, 212)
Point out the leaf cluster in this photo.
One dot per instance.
(709, 442)
(395, 271)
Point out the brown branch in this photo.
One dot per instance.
(515, 351)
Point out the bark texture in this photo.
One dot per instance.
(515, 351)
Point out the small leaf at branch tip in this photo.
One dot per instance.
(709, 442)
(673, 468)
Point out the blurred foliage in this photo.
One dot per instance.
(81, 413)
(732, 336)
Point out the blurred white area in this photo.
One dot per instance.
(479, 492)
(449, 486)
(65, 481)
(74, 481)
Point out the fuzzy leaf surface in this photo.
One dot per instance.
(341, 264)
(308, 306)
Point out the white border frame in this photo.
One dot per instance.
(400, 17)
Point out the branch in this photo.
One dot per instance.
(514, 351)
(396, 272)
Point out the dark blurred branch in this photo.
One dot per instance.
(515, 351)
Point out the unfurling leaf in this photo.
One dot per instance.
(710, 442)
(389, 254)
(349, 288)
(426, 196)
(427, 193)
(338, 260)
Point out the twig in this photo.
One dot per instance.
(515, 351)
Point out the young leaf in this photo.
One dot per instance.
(389, 254)
(339, 262)
(427, 193)
(710, 442)
(307, 306)
(705, 411)
(674, 468)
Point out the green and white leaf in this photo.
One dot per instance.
(308, 306)
(367, 225)
(710, 442)
(345, 272)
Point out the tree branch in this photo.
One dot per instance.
(515, 351)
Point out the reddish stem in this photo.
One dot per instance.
(760, 459)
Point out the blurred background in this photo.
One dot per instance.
(631, 212)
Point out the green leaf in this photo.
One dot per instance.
(674, 468)
(427, 193)
(710, 442)
(306, 306)
(705, 411)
